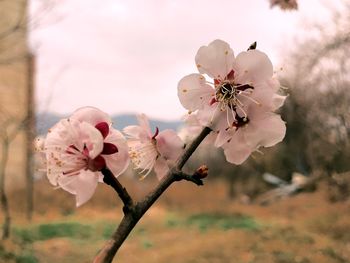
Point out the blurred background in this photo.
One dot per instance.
(287, 204)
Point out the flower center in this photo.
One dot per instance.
(226, 93)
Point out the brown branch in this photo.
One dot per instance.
(191, 178)
(132, 216)
(111, 180)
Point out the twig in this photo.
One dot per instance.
(133, 215)
(111, 180)
(191, 178)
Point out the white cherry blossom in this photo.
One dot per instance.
(239, 100)
(235, 84)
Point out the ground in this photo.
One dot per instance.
(190, 224)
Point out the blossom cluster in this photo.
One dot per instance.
(237, 100)
(235, 96)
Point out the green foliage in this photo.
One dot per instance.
(72, 230)
(26, 258)
(204, 221)
(54, 230)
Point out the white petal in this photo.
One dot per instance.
(91, 115)
(237, 150)
(278, 101)
(92, 138)
(117, 162)
(82, 185)
(252, 66)
(223, 136)
(266, 130)
(193, 92)
(161, 168)
(215, 118)
(144, 124)
(215, 60)
(133, 131)
(169, 144)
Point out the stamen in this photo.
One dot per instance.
(250, 98)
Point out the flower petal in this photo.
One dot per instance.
(237, 150)
(91, 115)
(193, 92)
(252, 66)
(83, 185)
(266, 129)
(169, 144)
(119, 161)
(91, 138)
(215, 60)
(161, 168)
(146, 131)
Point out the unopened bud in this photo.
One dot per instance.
(201, 172)
(252, 46)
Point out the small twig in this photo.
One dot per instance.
(111, 180)
(191, 178)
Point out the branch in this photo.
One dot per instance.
(131, 218)
(111, 180)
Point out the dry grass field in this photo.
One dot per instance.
(189, 224)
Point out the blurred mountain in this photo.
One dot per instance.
(47, 120)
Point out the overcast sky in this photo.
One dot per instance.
(128, 56)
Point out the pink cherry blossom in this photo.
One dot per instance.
(238, 103)
(236, 81)
(78, 148)
(149, 150)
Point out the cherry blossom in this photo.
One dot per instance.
(79, 147)
(149, 150)
(262, 129)
(238, 103)
(235, 83)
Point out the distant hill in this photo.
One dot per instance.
(47, 120)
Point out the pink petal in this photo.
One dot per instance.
(119, 161)
(193, 92)
(252, 66)
(133, 131)
(214, 117)
(144, 124)
(169, 144)
(82, 185)
(91, 115)
(161, 168)
(237, 150)
(278, 101)
(215, 60)
(265, 129)
(92, 139)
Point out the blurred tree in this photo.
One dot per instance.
(317, 111)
